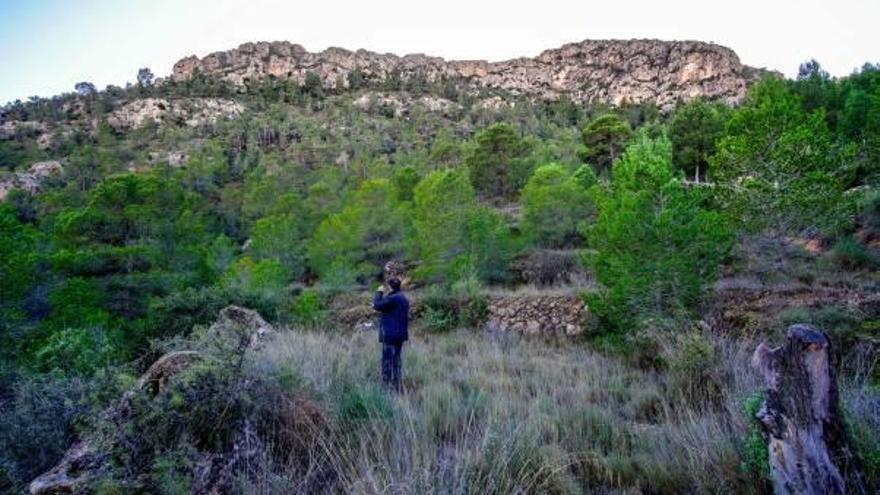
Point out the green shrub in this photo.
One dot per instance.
(756, 459)
(81, 350)
(264, 279)
(363, 236)
(850, 254)
(605, 138)
(178, 312)
(655, 245)
(554, 205)
(204, 405)
(461, 305)
(472, 303)
(405, 181)
(694, 373)
(870, 211)
(498, 162)
(360, 404)
(308, 308)
(438, 319)
(585, 177)
(40, 417)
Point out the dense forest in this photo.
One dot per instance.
(294, 205)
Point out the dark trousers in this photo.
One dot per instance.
(391, 365)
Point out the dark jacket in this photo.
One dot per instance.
(394, 327)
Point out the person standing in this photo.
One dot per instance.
(393, 330)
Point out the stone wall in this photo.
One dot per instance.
(540, 315)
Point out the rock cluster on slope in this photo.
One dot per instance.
(89, 458)
(32, 180)
(609, 71)
(190, 111)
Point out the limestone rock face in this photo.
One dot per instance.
(400, 104)
(538, 315)
(608, 71)
(190, 111)
(32, 180)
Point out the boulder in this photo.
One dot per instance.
(241, 328)
(88, 458)
(807, 442)
(156, 378)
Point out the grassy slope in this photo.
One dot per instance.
(496, 415)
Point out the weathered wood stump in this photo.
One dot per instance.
(807, 441)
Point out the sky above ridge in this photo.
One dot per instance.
(46, 46)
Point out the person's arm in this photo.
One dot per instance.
(380, 302)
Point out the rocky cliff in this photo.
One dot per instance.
(609, 71)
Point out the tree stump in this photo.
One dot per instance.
(807, 442)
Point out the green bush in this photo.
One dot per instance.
(452, 235)
(498, 162)
(204, 406)
(462, 304)
(694, 373)
(81, 350)
(870, 211)
(554, 205)
(40, 417)
(694, 131)
(756, 458)
(264, 279)
(357, 405)
(308, 308)
(363, 236)
(605, 138)
(656, 246)
(850, 254)
(405, 181)
(177, 313)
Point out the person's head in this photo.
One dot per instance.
(394, 283)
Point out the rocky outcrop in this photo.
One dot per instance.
(401, 104)
(538, 315)
(551, 267)
(236, 328)
(191, 112)
(807, 442)
(32, 180)
(609, 71)
(11, 128)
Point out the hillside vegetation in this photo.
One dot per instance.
(131, 216)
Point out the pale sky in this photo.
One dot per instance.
(46, 46)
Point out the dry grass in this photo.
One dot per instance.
(496, 415)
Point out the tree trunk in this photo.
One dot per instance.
(807, 442)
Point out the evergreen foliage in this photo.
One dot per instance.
(554, 204)
(656, 245)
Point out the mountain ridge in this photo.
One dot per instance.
(590, 71)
